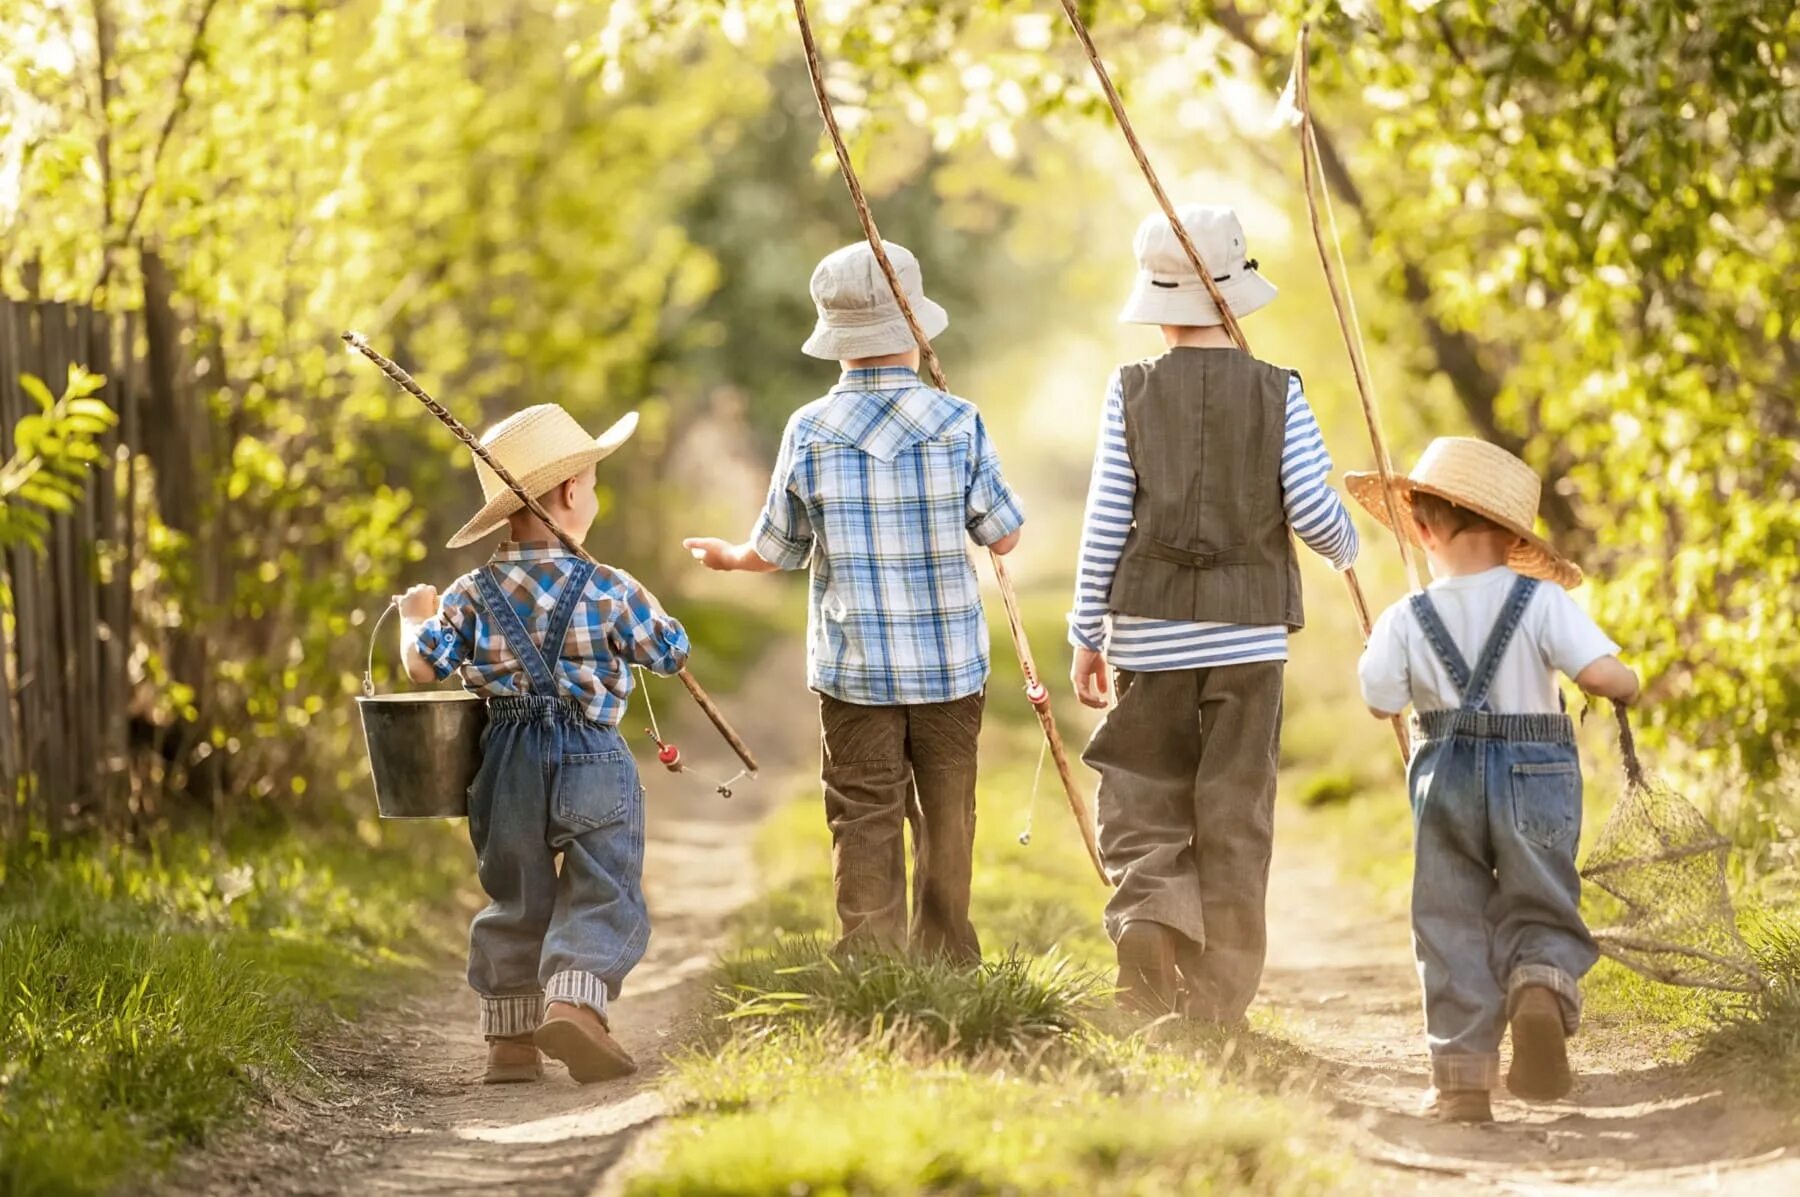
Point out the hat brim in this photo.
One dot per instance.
(497, 510)
(1187, 303)
(836, 343)
(1532, 557)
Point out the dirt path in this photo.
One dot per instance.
(1342, 980)
(402, 1110)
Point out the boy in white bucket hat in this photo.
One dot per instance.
(1188, 587)
(1495, 778)
(878, 487)
(549, 638)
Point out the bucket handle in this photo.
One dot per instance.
(369, 668)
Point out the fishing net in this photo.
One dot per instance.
(1665, 864)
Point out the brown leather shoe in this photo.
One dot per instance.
(512, 1059)
(1147, 976)
(1458, 1105)
(1540, 1048)
(580, 1039)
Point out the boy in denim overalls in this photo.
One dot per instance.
(550, 639)
(1495, 778)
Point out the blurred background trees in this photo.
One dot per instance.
(1569, 229)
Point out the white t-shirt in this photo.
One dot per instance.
(1399, 667)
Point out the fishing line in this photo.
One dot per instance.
(1031, 805)
(668, 753)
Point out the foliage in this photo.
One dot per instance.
(150, 998)
(52, 453)
(1759, 1037)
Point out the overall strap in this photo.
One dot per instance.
(500, 609)
(574, 590)
(1511, 616)
(1438, 636)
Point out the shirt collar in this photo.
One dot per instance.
(529, 550)
(877, 378)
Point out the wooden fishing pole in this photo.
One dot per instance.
(1232, 327)
(1035, 691)
(406, 383)
(1343, 303)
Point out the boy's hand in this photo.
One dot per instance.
(1091, 678)
(418, 603)
(722, 555)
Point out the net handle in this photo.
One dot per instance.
(1634, 768)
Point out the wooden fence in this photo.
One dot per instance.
(76, 708)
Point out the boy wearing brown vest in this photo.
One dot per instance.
(1188, 587)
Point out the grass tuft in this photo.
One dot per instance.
(1758, 1036)
(1012, 1003)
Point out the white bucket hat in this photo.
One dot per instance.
(858, 315)
(1485, 479)
(540, 446)
(1169, 292)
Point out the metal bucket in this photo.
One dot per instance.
(424, 747)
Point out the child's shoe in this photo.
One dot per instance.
(1147, 976)
(512, 1059)
(1540, 1050)
(1458, 1105)
(579, 1038)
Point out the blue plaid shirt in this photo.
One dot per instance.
(879, 486)
(615, 627)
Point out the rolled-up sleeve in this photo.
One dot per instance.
(783, 535)
(447, 639)
(993, 510)
(643, 634)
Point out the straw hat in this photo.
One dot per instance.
(858, 315)
(1168, 289)
(540, 447)
(1487, 480)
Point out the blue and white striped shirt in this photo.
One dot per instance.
(879, 487)
(1140, 644)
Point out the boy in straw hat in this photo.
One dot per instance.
(549, 638)
(1188, 587)
(878, 487)
(1495, 779)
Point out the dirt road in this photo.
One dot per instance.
(1342, 980)
(400, 1109)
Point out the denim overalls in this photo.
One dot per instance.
(552, 781)
(1496, 902)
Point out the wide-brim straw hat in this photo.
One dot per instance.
(1168, 289)
(1485, 479)
(540, 447)
(858, 314)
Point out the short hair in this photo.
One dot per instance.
(1447, 518)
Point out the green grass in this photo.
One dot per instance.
(148, 998)
(889, 1077)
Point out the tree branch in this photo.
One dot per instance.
(1458, 355)
(176, 108)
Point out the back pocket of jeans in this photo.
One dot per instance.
(593, 788)
(1546, 799)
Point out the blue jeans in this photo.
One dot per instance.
(553, 783)
(1496, 902)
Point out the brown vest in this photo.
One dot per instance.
(1205, 430)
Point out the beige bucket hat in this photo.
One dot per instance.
(540, 446)
(858, 314)
(1487, 480)
(1168, 291)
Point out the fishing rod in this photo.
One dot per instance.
(1036, 693)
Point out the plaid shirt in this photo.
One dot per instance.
(878, 487)
(615, 627)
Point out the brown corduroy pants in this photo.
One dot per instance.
(884, 768)
(1187, 763)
